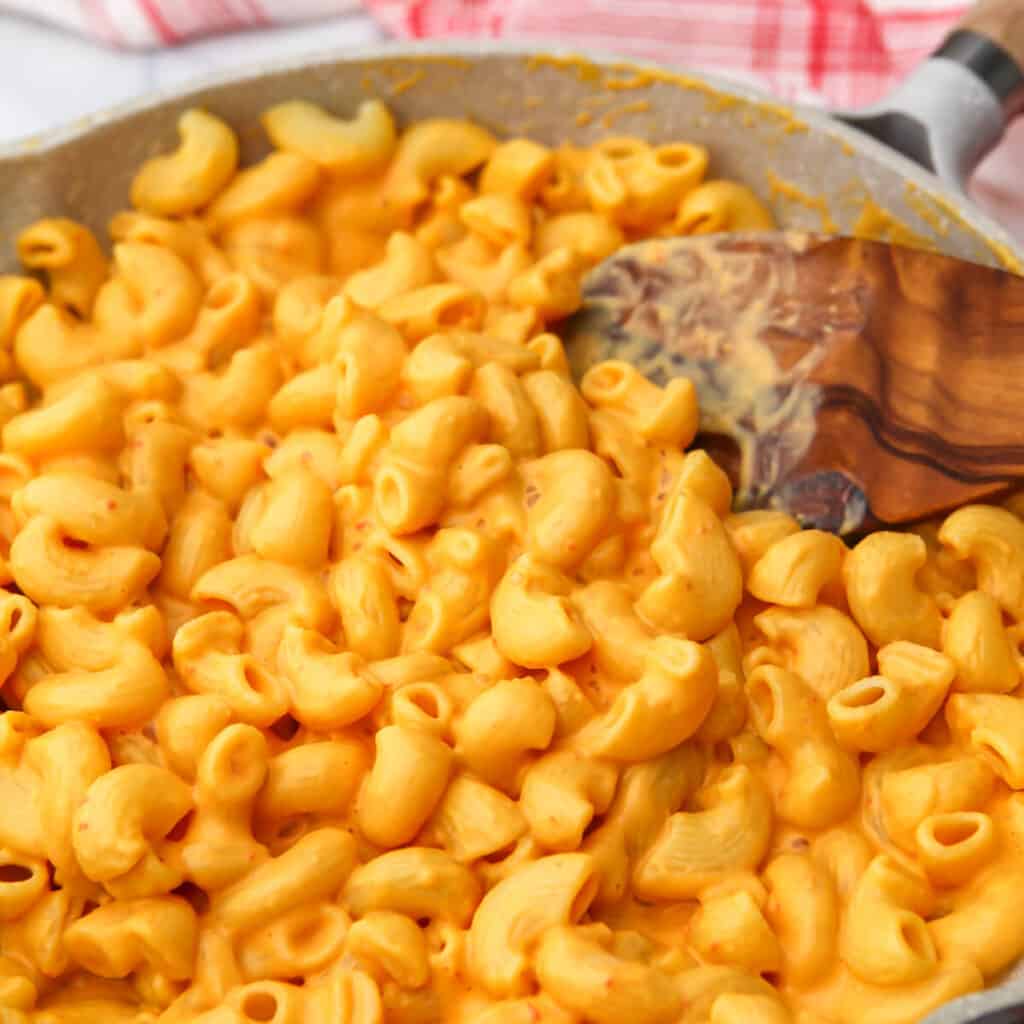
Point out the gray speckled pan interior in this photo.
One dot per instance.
(84, 170)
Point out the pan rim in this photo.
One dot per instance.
(40, 146)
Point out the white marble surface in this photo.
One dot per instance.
(48, 76)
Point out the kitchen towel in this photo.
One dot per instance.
(841, 52)
(146, 24)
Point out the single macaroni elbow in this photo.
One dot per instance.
(533, 622)
(696, 849)
(661, 709)
(600, 986)
(554, 890)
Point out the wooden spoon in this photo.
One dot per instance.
(853, 383)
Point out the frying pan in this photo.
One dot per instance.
(813, 170)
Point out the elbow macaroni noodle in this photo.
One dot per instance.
(359, 667)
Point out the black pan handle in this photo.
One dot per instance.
(989, 61)
(954, 107)
(990, 42)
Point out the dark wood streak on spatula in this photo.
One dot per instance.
(971, 464)
(836, 366)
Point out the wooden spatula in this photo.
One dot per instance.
(853, 383)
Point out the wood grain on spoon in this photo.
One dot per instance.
(842, 370)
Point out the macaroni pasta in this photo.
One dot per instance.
(359, 667)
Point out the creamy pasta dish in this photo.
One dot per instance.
(361, 668)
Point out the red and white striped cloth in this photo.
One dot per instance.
(147, 24)
(842, 52)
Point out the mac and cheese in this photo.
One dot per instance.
(359, 667)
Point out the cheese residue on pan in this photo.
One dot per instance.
(407, 83)
(786, 190)
(874, 221)
(944, 207)
(636, 107)
(919, 202)
(879, 225)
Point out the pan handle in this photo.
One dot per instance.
(955, 107)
